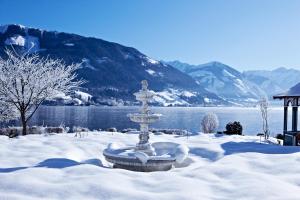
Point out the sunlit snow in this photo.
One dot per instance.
(188, 94)
(218, 167)
(69, 44)
(83, 95)
(150, 71)
(15, 40)
(30, 43)
(150, 60)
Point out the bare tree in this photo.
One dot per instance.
(264, 107)
(26, 81)
(210, 123)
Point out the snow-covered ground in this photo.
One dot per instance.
(62, 166)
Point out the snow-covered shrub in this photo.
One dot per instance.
(11, 131)
(80, 131)
(209, 123)
(234, 128)
(15, 131)
(66, 128)
(129, 130)
(169, 131)
(54, 130)
(36, 130)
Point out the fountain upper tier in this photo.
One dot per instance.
(145, 117)
(143, 95)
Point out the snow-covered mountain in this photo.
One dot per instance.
(222, 80)
(112, 71)
(274, 81)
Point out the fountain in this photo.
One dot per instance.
(159, 156)
(144, 119)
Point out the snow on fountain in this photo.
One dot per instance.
(159, 156)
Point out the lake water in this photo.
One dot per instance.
(96, 118)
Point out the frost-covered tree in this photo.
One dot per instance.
(7, 111)
(28, 80)
(264, 108)
(210, 123)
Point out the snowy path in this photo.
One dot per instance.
(229, 167)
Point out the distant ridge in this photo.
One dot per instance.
(222, 80)
(259, 82)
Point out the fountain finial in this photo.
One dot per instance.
(144, 85)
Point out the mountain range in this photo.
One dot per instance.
(274, 81)
(113, 72)
(222, 80)
(240, 87)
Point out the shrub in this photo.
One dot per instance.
(234, 128)
(112, 129)
(210, 123)
(279, 136)
(54, 130)
(80, 129)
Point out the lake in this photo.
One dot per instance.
(188, 118)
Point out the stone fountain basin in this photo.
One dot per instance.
(144, 118)
(166, 154)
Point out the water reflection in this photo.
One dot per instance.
(96, 118)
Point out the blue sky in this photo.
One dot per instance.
(246, 34)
